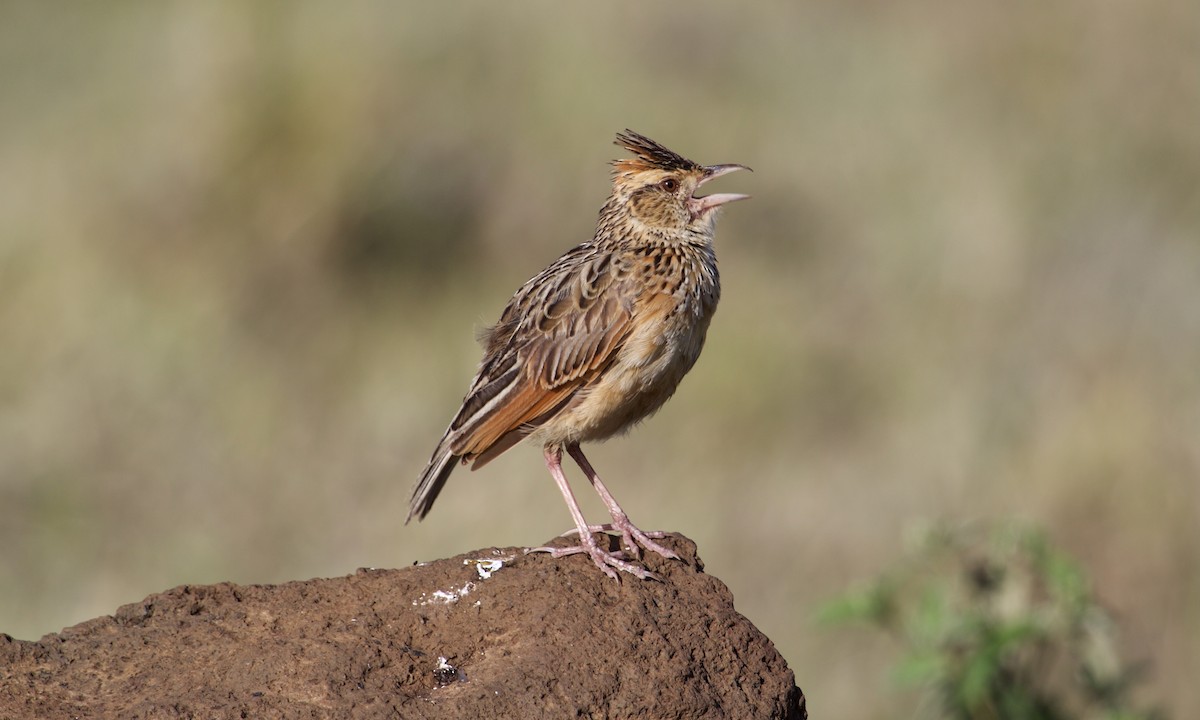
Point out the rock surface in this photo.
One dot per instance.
(493, 633)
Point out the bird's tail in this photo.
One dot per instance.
(433, 479)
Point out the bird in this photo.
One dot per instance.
(597, 342)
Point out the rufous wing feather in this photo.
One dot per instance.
(558, 332)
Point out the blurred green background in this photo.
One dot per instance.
(244, 248)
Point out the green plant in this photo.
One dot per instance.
(997, 623)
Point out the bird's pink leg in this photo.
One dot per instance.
(604, 559)
(631, 536)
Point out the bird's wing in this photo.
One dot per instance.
(559, 331)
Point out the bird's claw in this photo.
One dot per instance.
(633, 539)
(608, 562)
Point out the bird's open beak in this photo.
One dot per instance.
(701, 205)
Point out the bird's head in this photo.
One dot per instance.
(657, 188)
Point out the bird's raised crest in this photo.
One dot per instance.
(650, 155)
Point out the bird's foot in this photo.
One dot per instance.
(632, 538)
(607, 561)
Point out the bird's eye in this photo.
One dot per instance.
(670, 185)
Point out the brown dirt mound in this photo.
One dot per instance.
(493, 633)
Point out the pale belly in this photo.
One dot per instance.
(645, 374)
